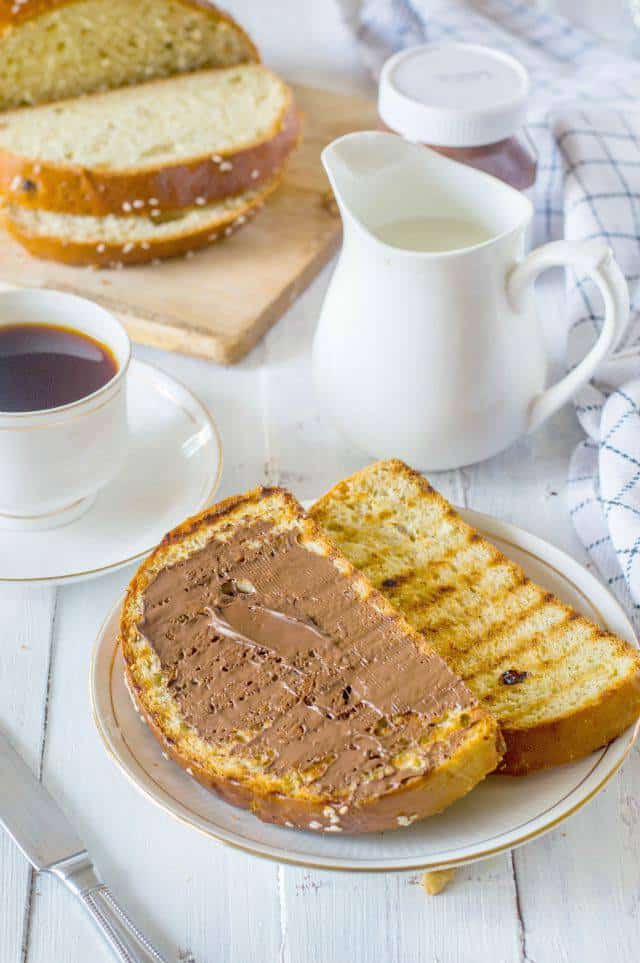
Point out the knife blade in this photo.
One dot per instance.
(31, 816)
(43, 833)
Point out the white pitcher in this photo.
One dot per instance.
(438, 358)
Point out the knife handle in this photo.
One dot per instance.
(124, 938)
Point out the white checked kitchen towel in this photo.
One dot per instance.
(585, 121)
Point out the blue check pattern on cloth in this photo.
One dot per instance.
(585, 122)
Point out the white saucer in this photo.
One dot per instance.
(499, 814)
(172, 470)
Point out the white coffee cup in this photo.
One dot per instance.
(53, 462)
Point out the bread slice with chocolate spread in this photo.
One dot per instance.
(559, 685)
(272, 671)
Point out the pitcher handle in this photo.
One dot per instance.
(594, 258)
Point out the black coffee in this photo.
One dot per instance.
(45, 365)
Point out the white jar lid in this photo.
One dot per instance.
(453, 94)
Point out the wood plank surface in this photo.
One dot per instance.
(220, 302)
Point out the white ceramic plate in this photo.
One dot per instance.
(499, 814)
(172, 470)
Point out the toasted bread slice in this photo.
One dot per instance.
(113, 241)
(52, 49)
(274, 673)
(559, 686)
(160, 146)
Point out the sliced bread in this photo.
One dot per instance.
(274, 673)
(154, 147)
(112, 241)
(52, 49)
(559, 685)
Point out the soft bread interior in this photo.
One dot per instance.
(99, 44)
(145, 127)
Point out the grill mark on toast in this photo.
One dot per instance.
(526, 644)
(591, 634)
(489, 603)
(428, 582)
(520, 716)
(367, 564)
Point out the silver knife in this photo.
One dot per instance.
(44, 834)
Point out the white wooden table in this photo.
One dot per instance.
(573, 895)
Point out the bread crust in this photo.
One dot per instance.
(79, 190)
(570, 736)
(574, 735)
(419, 797)
(99, 254)
(13, 15)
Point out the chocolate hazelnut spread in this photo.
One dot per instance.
(271, 651)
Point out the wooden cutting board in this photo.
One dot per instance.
(221, 301)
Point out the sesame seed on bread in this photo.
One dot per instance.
(53, 49)
(115, 240)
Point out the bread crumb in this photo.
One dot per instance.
(255, 174)
(226, 166)
(138, 204)
(200, 201)
(406, 820)
(126, 206)
(315, 825)
(435, 881)
(329, 202)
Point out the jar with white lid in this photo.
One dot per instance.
(463, 100)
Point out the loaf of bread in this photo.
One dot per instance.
(559, 685)
(274, 673)
(113, 240)
(159, 146)
(54, 49)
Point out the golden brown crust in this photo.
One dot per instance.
(422, 797)
(477, 755)
(101, 255)
(13, 15)
(72, 189)
(573, 736)
(568, 737)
